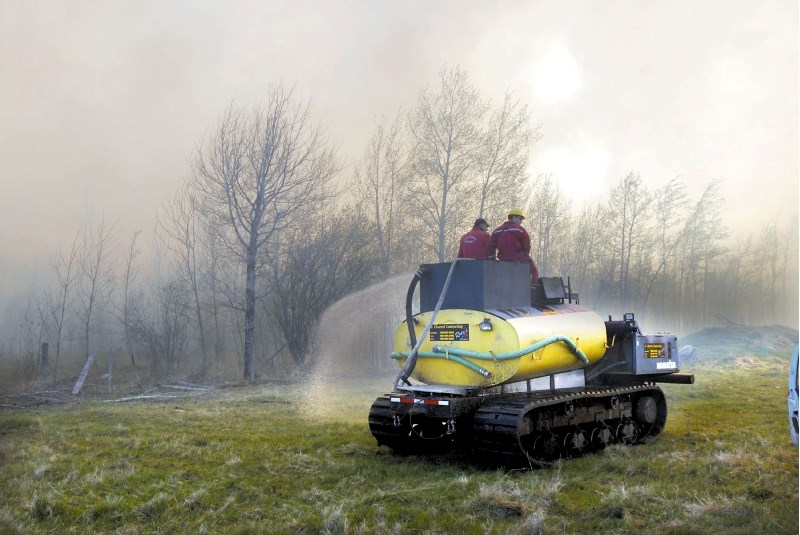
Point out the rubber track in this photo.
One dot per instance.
(381, 423)
(497, 421)
(399, 438)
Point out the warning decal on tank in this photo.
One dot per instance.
(450, 332)
(654, 351)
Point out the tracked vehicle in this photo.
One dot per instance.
(518, 373)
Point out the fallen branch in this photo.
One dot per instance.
(151, 398)
(82, 376)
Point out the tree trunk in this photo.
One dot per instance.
(298, 356)
(199, 316)
(249, 320)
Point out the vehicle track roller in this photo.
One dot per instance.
(575, 441)
(545, 446)
(601, 436)
(626, 432)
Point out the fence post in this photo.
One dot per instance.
(43, 364)
(110, 373)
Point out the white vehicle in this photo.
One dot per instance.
(793, 396)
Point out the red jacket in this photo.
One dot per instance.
(473, 244)
(512, 244)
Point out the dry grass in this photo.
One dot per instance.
(284, 459)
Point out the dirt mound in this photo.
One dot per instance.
(730, 344)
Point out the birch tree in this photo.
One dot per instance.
(548, 214)
(378, 178)
(626, 213)
(502, 160)
(445, 136)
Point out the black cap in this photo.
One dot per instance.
(480, 221)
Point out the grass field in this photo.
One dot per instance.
(300, 459)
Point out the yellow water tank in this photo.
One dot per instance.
(480, 348)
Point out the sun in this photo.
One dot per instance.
(580, 171)
(557, 75)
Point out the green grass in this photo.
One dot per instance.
(292, 459)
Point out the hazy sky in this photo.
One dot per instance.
(101, 102)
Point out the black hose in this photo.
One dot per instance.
(409, 312)
(404, 374)
(411, 361)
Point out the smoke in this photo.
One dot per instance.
(106, 99)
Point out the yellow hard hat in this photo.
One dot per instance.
(517, 212)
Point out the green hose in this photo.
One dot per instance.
(455, 354)
(515, 354)
(447, 356)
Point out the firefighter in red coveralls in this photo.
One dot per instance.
(511, 243)
(473, 243)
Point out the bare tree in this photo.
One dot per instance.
(789, 272)
(548, 215)
(377, 179)
(502, 160)
(334, 260)
(626, 212)
(740, 276)
(212, 269)
(96, 275)
(445, 130)
(702, 247)
(583, 256)
(128, 305)
(31, 327)
(131, 301)
(162, 332)
(255, 172)
(179, 222)
(669, 214)
(774, 253)
(66, 270)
